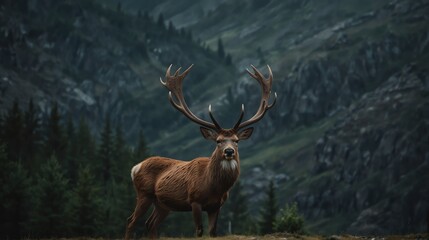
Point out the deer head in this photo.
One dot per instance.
(226, 139)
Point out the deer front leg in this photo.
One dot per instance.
(213, 222)
(196, 213)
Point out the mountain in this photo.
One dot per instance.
(328, 58)
(347, 139)
(97, 61)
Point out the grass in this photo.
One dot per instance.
(289, 236)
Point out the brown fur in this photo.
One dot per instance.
(174, 185)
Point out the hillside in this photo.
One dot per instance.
(322, 72)
(347, 139)
(97, 61)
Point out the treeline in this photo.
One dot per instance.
(60, 180)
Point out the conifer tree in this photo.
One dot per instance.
(31, 136)
(160, 21)
(85, 205)
(141, 151)
(239, 216)
(171, 28)
(71, 158)
(55, 142)
(51, 198)
(122, 157)
(105, 152)
(15, 200)
(85, 144)
(220, 49)
(12, 133)
(236, 212)
(268, 211)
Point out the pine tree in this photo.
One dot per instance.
(51, 198)
(160, 21)
(71, 158)
(85, 145)
(289, 220)
(236, 212)
(105, 152)
(85, 211)
(171, 28)
(12, 135)
(220, 49)
(268, 211)
(15, 199)
(240, 215)
(31, 136)
(55, 142)
(122, 157)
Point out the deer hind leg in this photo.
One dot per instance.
(142, 205)
(196, 213)
(158, 214)
(213, 215)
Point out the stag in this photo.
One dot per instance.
(201, 184)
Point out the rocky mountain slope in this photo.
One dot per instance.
(371, 166)
(96, 61)
(333, 68)
(347, 139)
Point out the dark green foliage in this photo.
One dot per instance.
(141, 151)
(105, 152)
(171, 28)
(289, 220)
(55, 143)
(30, 136)
(160, 21)
(12, 135)
(235, 210)
(15, 198)
(51, 196)
(71, 162)
(85, 148)
(85, 205)
(268, 211)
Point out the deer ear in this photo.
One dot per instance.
(245, 134)
(208, 133)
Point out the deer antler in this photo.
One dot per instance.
(174, 84)
(266, 84)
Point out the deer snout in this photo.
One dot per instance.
(229, 152)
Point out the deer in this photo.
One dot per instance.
(201, 184)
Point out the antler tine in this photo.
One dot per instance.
(174, 84)
(167, 73)
(274, 101)
(266, 84)
(241, 117)
(177, 72)
(213, 119)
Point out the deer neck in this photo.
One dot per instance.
(222, 173)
